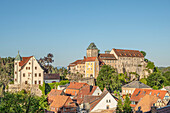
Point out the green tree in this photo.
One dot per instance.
(167, 76)
(119, 108)
(143, 80)
(108, 78)
(22, 103)
(150, 65)
(126, 106)
(144, 53)
(156, 80)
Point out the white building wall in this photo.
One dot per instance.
(102, 105)
(97, 92)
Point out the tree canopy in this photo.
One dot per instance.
(108, 78)
(22, 103)
(144, 53)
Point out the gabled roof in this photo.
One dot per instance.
(24, 62)
(76, 85)
(146, 103)
(128, 53)
(51, 76)
(54, 92)
(140, 93)
(88, 59)
(77, 62)
(59, 101)
(136, 84)
(107, 56)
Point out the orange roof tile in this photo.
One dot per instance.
(128, 53)
(107, 56)
(140, 93)
(88, 59)
(146, 103)
(24, 60)
(59, 101)
(76, 85)
(55, 92)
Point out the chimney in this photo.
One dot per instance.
(153, 109)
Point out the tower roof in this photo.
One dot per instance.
(18, 57)
(92, 46)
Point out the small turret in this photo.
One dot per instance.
(18, 57)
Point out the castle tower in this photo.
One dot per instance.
(92, 51)
(18, 58)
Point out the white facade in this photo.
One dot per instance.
(30, 73)
(97, 92)
(108, 102)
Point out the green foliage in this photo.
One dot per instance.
(144, 53)
(119, 108)
(150, 65)
(6, 70)
(108, 78)
(143, 80)
(46, 88)
(22, 103)
(167, 76)
(126, 106)
(156, 80)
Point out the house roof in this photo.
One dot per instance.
(136, 84)
(165, 109)
(140, 93)
(93, 89)
(51, 76)
(89, 59)
(146, 103)
(128, 53)
(107, 56)
(76, 85)
(54, 92)
(59, 101)
(24, 60)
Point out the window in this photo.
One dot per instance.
(23, 74)
(91, 63)
(123, 91)
(15, 72)
(39, 74)
(39, 81)
(35, 74)
(29, 63)
(106, 101)
(26, 82)
(126, 91)
(109, 101)
(15, 63)
(35, 82)
(91, 68)
(35, 68)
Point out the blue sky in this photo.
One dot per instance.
(65, 28)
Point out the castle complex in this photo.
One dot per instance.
(123, 61)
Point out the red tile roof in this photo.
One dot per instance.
(77, 62)
(140, 93)
(146, 103)
(76, 85)
(24, 60)
(128, 53)
(88, 59)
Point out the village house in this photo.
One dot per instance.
(63, 104)
(130, 88)
(158, 97)
(98, 103)
(51, 78)
(123, 61)
(53, 93)
(28, 75)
